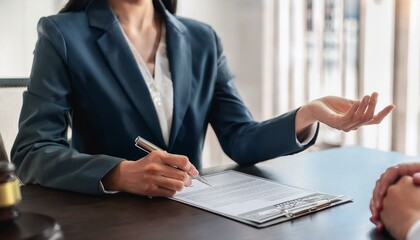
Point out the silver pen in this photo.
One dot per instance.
(148, 147)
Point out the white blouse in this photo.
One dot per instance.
(160, 86)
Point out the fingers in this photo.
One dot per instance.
(364, 115)
(178, 161)
(360, 117)
(156, 182)
(346, 121)
(161, 186)
(416, 178)
(171, 166)
(372, 106)
(388, 178)
(174, 173)
(351, 113)
(382, 114)
(168, 183)
(358, 114)
(375, 217)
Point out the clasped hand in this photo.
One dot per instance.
(394, 202)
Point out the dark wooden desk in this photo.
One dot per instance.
(350, 171)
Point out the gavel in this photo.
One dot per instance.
(9, 188)
(9, 193)
(16, 225)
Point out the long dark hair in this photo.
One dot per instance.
(76, 5)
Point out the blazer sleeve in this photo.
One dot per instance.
(41, 152)
(242, 138)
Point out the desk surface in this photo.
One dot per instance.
(351, 171)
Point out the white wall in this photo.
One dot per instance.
(239, 24)
(18, 20)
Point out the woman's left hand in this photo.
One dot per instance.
(341, 113)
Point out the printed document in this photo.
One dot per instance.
(253, 200)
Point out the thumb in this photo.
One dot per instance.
(416, 178)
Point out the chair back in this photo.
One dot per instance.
(3, 153)
(11, 90)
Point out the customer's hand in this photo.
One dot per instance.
(401, 207)
(157, 174)
(389, 177)
(341, 113)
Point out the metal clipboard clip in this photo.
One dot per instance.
(302, 210)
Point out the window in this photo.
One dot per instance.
(304, 49)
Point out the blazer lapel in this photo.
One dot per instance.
(122, 62)
(180, 62)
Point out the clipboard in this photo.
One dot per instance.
(295, 212)
(242, 197)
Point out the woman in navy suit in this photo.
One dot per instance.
(115, 69)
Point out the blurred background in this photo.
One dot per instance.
(284, 53)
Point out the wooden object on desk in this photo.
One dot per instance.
(9, 193)
(15, 225)
(31, 226)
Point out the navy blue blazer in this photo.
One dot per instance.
(85, 76)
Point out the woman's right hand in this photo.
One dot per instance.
(159, 174)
